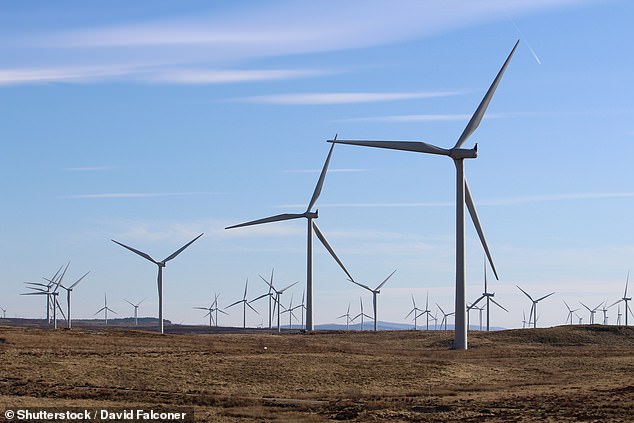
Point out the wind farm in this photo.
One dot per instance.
(148, 130)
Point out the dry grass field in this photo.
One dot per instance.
(573, 373)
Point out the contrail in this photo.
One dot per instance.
(539, 62)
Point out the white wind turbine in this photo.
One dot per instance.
(625, 299)
(524, 322)
(291, 315)
(463, 195)
(4, 312)
(309, 215)
(618, 315)
(68, 292)
(592, 311)
(105, 308)
(570, 313)
(209, 313)
(415, 310)
(347, 316)
(427, 311)
(605, 312)
(374, 292)
(489, 297)
(480, 310)
(245, 303)
(361, 314)
(580, 318)
(444, 316)
(136, 309)
(278, 295)
(533, 312)
(161, 264)
(47, 292)
(271, 295)
(216, 308)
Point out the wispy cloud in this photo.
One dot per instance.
(87, 168)
(342, 98)
(202, 76)
(222, 36)
(123, 195)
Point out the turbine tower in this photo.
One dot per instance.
(161, 264)
(458, 155)
(347, 316)
(269, 294)
(278, 294)
(361, 315)
(444, 316)
(415, 310)
(309, 215)
(427, 311)
(533, 312)
(376, 291)
(4, 312)
(489, 296)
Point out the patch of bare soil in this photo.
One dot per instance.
(572, 373)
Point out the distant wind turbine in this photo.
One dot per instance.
(374, 291)
(570, 313)
(444, 316)
(4, 312)
(361, 314)
(592, 311)
(533, 312)
(271, 296)
(415, 310)
(245, 304)
(463, 195)
(278, 295)
(161, 264)
(347, 316)
(489, 297)
(68, 292)
(309, 215)
(105, 308)
(427, 311)
(625, 299)
(136, 309)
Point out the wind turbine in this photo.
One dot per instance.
(136, 309)
(605, 312)
(625, 298)
(347, 316)
(533, 312)
(217, 309)
(374, 292)
(592, 311)
(580, 318)
(49, 293)
(278, 294)
(463, 195)
(309, 215)
(415, 310)
(105, 308)
(245, 303)
(480, 310)
(161, 264)
(269, 294)
(618, 315)
(427, 311)
(444, 316)
(570, 312)
(524, 322)
(68, 291)
(209, 310)
(4, 312)
(361, 315)
(489, 297)
(290, 310)
(48, 287)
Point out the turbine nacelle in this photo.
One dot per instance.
(464, 153)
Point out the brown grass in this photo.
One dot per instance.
(577, 373)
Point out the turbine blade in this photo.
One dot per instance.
(476, 222)
(276, 218)
(246, 285)
(627, 281)
(525, 293)
(320, 182)
(386, 279)
(613, 304)
(477, 301)
(361, 285)
(284, 289)
(327, 246)
(132, 304)
(545, 296)
(475, 120)
(415, 146)
(180, 250)
(79, 280)
(251, 307)
(232, 304)
(261, 296)
(223, 312)
(141, 253)
(499, 305)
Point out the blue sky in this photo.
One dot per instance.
(151, 122)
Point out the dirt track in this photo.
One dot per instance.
(578, 373)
